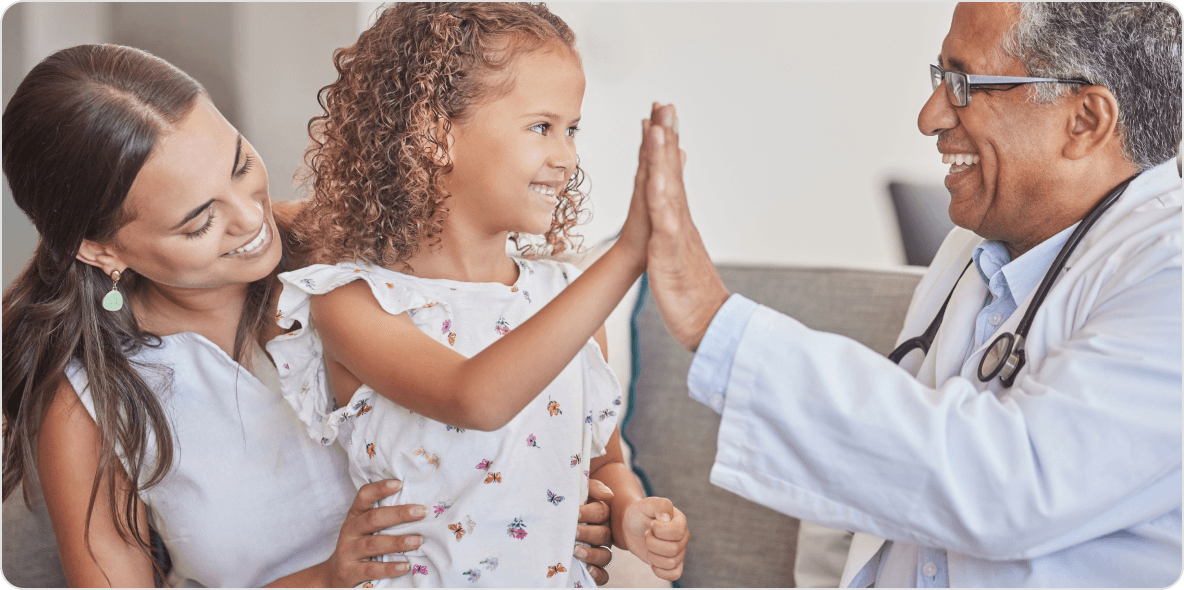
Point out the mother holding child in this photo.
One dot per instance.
(177, 361)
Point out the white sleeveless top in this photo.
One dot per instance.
(249, 497)
(504, 504)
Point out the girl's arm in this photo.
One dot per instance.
(68, 458)
(650, 528)
(392, 356)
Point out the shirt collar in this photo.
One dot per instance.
(1023, 274)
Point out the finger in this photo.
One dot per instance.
(670, 575)
(384, 517)
(660, 509)
(675, 530)
(663, 562)
(598, 556)
(594, 534)
(662, 547)
(594, 513)
(598, 491)
(377, 570)
(376, 545)
(369, 494)
(598, 575)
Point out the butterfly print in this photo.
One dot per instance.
(368, 585)
(451, 339)
(490, 563)
(492, 477)
(279, 314)
(451, 428)
(431, 304)
(370, 449)
(473, 574)
(311, 284)
(419, 569)
(531, 441)
(431, 458)
(575, 459)
(472, 525)
(457, 528)
(606, 413)
(557, 568)
(553, 499)
(485, 464)
(502, 328)
(286, 365)
(362, 407)
(526, 294)
(617, 401)
(553, 408)
(390, 285)
(517, 529)
(588, 420)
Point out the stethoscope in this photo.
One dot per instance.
(1005, 357)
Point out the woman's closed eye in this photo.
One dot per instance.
(205, 228)
(248, 161)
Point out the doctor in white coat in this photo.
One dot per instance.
(1063, 471)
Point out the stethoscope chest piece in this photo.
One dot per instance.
(1003, 359)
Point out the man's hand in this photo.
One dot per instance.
(682, 277)
(656, 532)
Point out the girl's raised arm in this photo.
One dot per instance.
(391, 355)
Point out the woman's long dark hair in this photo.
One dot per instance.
(76, 133)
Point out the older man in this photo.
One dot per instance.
(1058, 464)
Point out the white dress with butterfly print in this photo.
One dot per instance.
(503, 505)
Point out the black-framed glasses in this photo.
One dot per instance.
(959, 85)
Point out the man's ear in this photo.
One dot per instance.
(102, 256)
(444, 140)
(1093, 122)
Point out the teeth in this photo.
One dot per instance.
(255, 243)
(960, 159)
(542, 189)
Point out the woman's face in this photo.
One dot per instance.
(201, 214)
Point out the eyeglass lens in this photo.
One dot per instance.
(956, 86)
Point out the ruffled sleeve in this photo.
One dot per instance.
(298, 353)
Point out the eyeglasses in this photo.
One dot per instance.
(959, 85)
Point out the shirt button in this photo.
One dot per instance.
(717, 402)
(929, 570)
(995, 319)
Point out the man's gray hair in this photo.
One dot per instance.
(1133, 49)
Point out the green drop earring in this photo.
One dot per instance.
(113, 300)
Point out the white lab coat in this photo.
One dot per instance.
(1071, 477)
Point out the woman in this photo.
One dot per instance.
(135, 380)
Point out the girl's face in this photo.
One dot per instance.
(514, 155)
(201, 214)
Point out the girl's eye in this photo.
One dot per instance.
(247, 164)
(572, 131)
(540, 128)
(205, 228)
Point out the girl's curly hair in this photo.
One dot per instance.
(374, 167)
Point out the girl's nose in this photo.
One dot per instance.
(563, 156)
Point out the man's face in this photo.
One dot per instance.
(1009, 141)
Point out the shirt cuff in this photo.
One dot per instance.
(707, 380)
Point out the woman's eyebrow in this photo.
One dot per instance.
(193, 214)
(238, 150)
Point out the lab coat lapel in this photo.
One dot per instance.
(945, 358)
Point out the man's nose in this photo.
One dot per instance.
(937, 114)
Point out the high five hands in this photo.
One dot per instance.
(682, 278)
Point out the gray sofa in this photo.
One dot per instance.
(734, 542)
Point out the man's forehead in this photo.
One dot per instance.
(974, 42)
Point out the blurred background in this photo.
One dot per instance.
(795, 117)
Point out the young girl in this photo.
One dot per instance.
(463, 371)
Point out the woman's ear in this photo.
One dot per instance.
(101, 256)
(1093, 122)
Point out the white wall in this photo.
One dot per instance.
(793, 117)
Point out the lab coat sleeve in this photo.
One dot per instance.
(822, 428)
